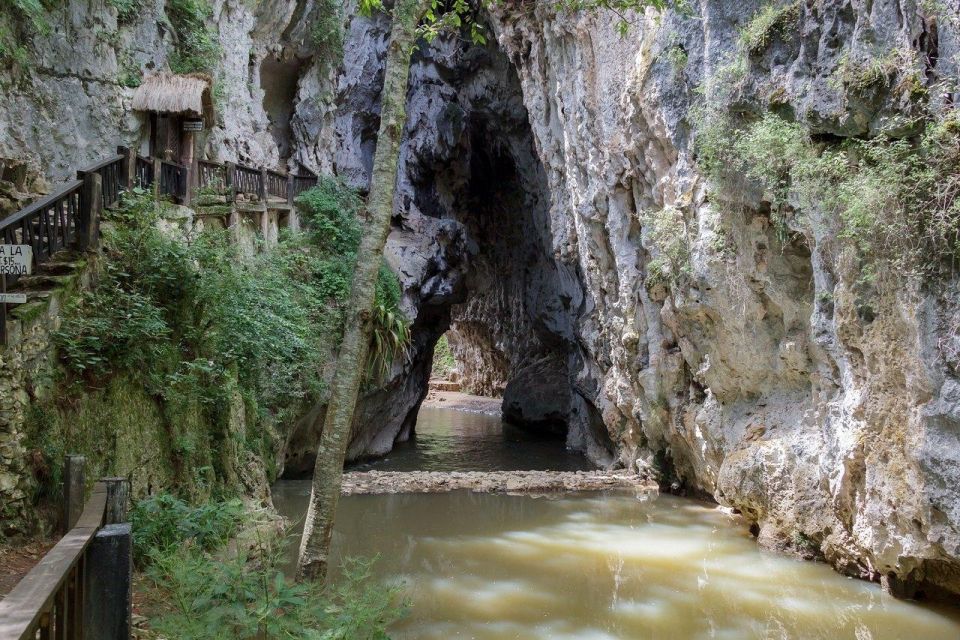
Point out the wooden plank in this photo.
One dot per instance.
(41, 204)
(34, 594)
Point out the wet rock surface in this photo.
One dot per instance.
(520, 482)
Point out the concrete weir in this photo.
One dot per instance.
(378, 482)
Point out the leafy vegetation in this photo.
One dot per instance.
(332, 219)
(772, 21)
(894, 199)
(198, 45)
(444, 363)
(326, 33)
(20, 20)
(667, 238)
(201, 591)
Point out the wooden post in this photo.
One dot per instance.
(157, 169)
(263, 185)
(74, 479)
(129, 176)
(293, 220)
(118, 496)
(230, 169)
(91, 208)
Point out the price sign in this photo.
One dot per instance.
(193, 124)
(13, 298)
(16, 259)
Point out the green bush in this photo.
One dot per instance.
(326, 33)
(772, 20)
(206, 592)
(444, 363)
(333, 224)
(198, 45)
(894, 199)
(162, 522)
(667, 239)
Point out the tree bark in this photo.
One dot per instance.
(328, 469)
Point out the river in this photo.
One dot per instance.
(589, 566)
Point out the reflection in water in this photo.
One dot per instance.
(602, 567)
(450, 440)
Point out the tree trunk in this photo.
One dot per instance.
(328, 469)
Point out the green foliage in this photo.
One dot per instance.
(198, 45)
(163, 522)
(772, 21)
(444, 364)
(894, 199)
(332, 211)
(326, 33)
(186, 317)
(677, 57)
(20, 20)
(126, 9)
(866, 72)
(667, 239)
(205, 592)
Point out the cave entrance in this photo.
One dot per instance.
(279, 79)
(471, 158)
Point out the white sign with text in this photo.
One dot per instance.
(16, 259)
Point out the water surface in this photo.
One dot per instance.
(603, 567)
(451, 440)
(588, 566)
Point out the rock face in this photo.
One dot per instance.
(527, 177)
(761, 381)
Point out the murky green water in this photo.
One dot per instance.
(450, 440)
(601, 567)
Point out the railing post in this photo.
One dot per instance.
(129, 166)
(91, 207)
(230, 170)
(157, 177)
(187, 186)
(74, 479)
(290, 195)
(118, 497)
(263, 185)
(108, 585)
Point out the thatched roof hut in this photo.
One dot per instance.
(186, 95)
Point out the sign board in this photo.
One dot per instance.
(16, 259)
(13, 298)
(193, 124)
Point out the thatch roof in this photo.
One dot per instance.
(187, 95)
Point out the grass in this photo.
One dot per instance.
(772, 21)
(198, 588)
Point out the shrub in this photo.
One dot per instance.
(198, 46)
(772, 21)
(162, 522)
(326, 33)
(444, 363)
(204, 592)
(666, 238)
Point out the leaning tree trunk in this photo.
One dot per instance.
(328, 469)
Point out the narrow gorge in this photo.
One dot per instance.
(713, 245)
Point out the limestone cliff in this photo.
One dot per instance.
(533, 174)
(762, 379)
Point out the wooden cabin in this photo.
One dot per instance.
(179, 107)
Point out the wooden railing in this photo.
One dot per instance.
(212, 176)
(277, 186)
(47, 225)
(303, 183)
(174, 180)
(114, 177)
(77, 590)
(247, 180)
(143, 172)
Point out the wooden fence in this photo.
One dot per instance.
(69, 217)
(62, 596)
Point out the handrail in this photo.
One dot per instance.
(42, 203)
(51, 594)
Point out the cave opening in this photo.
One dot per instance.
(279, 79)
(471, 158)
